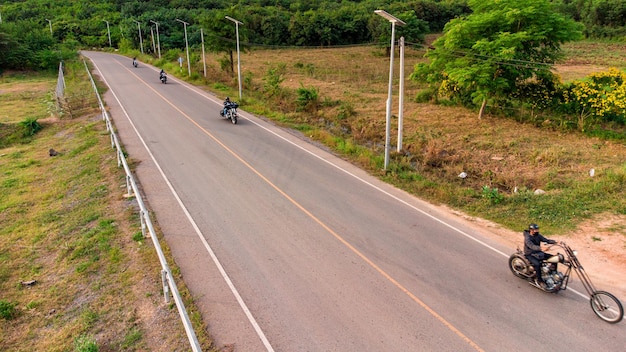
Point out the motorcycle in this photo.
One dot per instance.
(163, 78)
(230, 111)
(606, 306)
(135, 62)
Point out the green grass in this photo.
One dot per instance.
(66, 225)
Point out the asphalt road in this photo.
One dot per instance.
(286, 247)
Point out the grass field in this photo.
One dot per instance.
(72, 255)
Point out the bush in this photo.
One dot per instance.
(492, 195)
(85, 343)
(308, 98)
(7, 310)
(30, 126)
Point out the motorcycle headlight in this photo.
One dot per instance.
(575, 253)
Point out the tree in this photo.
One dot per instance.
(502, 45)
(222, 33)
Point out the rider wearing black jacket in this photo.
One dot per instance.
(532, 249)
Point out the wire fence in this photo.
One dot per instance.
(169, 285)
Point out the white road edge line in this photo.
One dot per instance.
(225, 276)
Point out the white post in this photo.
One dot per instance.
(158, 39)
(50, 24)
(140, 38)
(401, 95)
(393, 21)
(186, 46)
(237, 23)
(109, 32)
(203, 58)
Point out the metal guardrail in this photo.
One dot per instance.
(146, 225)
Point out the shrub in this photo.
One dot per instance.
(273, 79)
(308, 98)
(30, 126)
(7, 310)
(85, 343)
(492, 195)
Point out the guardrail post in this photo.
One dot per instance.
(143, 223)
(129, 188)
(166, 286)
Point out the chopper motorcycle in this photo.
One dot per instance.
(606, 306)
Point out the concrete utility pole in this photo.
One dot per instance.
(108, 31)
(237, 23)
(140, 39)
(50, 24)
(158, 39)
(186, 46)
(394, 21)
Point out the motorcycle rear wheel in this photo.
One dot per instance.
(519, 266)
(607, 307)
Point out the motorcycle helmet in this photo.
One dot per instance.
(533, 227)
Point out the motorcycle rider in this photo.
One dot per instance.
(135, 61)
(227, 103)
(533, 252)
(161, 74)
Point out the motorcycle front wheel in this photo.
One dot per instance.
(607, 307)
(234, 119)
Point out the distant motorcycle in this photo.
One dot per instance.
(163, 77)
(606, 306)
(135, 62)
(230, 111)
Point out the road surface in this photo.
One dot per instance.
(286, 247)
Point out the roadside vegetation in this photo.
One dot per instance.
(72, 255)
(506, 157)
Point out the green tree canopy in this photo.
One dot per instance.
(489, 54)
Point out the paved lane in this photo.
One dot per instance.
(323, 257)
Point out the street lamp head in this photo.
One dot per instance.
(390, 17)
(232, 19)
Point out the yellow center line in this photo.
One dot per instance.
(321, 223)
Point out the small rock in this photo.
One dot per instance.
(53, 152)
(539, 192)
(463, 175)
(592, 172)
(29, 283)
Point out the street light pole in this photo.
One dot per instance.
(401, 96)
(50, 24)
(203, 57)
(108, 31)
(237, 23)
(186, 46)
(399, 22)
(140, 39)
(158, 38)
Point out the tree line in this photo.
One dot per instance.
(35, 33)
